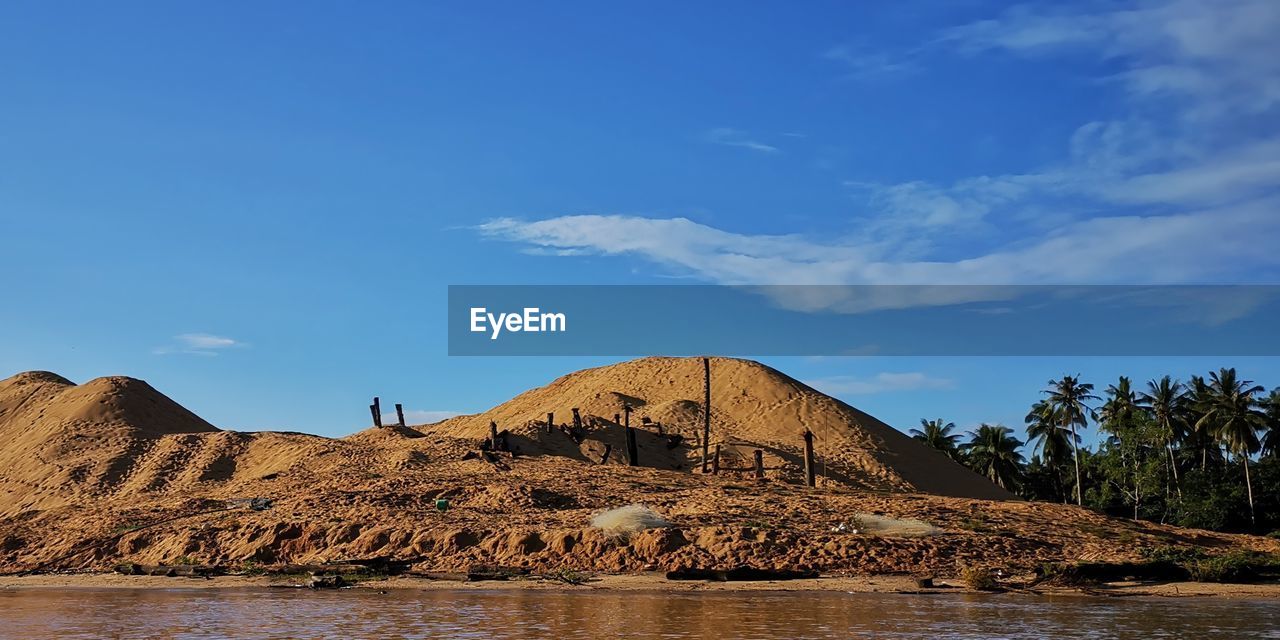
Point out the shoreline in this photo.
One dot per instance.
(905, 585)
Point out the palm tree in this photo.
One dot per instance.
(937, 434)
(1232, 414)
(1053, 442)
(1121, 402)
(1164, 399)
(1067, 397)
(1271, 440)
(993, 452)
(1200, 437)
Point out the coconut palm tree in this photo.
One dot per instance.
(1053, 442)
(1271, 439)
(1164, 399)
(993, 451)
(1068, 398)
(1200, 438)
(1232, 414)
(937, 434)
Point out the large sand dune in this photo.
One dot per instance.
(113, 471)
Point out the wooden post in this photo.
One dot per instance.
(373, 411)
(493, 435)
(759, 464)
(551, 421)
(808, 458)
(400, 413)
(608, 448)
(577, 419)
(377, 412)
(715, 462)
(633, 454)
(706, 410)
(659, 425)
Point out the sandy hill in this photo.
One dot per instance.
(113, 471)
(65, 443)
(753, 407)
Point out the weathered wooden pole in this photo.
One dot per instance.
(373, 411)
(633, 454)
(400, 413)
(759, 464)
(715, 462)
(659, 425)
(493, 435)
(551, 421)
(608, 448)
(808, 459)
(377, 412)
(577, 419)
(706, 410)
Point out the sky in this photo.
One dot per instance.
(258, 207)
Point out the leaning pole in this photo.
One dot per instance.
(706, 412)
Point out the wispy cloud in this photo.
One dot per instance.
(862, 63)
(199, 344)
(735, 138)
(1181, 185)
(879, 383)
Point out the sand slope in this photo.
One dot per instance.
(113, 471)
(753, 406)
(65, 443)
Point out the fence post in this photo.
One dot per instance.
(551, 421)
(377, 412)
(808, 458)
(759, 464)
(633, 457)
(706, 410)
(400, 413)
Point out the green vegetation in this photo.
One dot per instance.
(980, 578)
(1204, 454)
(1169, 563)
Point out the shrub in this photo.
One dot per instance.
(979, 578)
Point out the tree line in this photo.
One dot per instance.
(1202, 453)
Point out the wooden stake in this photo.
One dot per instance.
(373, 411)
(493, 435)
(633, 454)
(577, 419)
(377, 412)
(715, 462)
(759, 464)
(706, 410)
(608, 448)
(400, 413)
(808, 458)
(551, 421)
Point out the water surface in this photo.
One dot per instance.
(566, 615)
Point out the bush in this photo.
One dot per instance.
(979, 578)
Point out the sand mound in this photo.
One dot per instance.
(65, 443)
(753, 406)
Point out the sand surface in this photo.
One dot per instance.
(112, 471)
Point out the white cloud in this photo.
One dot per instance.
(734, 138)
(199, 344)
(879, 383)
(1222, 55)
(1169, 191)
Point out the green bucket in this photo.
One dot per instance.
(442, 504)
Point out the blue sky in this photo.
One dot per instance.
(258, 208)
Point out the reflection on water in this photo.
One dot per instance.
(359, 613)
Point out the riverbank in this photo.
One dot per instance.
(652, 581)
